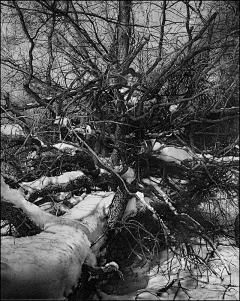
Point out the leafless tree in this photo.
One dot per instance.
(124, 73)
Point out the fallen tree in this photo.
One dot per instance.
(48, 265)
(52, 261)
(80, 221)
(103, 100)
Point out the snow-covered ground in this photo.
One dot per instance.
(211, 282)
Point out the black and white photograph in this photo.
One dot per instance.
(119, 150)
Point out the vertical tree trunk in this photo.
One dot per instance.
(124, 30)
(123, 36)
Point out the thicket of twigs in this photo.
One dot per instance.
(191, 102)
(198, 199)
(199, 191)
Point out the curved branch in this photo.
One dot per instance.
(50, 50)
(26, 85)
(160, 45)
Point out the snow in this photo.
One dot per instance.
(66, 147)
(131, 208)
(84, 130)
(40, 141)
(217, 159)
(32, 155)
(91, 202)
(157, 146)
(129, 175)
(66, 247)
(166, 153)
(13, 130)
(133, 100)
(227, 159)
(74, 200)
(178, 154)
(88, 129)
(46, 181)
(209, 286)
(48, 265)
(80, 130)
(173, 154)
(173, 108)
(45, 266)
(61, 121)
(123, 90)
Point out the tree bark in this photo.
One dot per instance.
(124, 29)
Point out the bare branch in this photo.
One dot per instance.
(159, 58)
(50, 51)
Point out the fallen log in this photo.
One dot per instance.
(48, 265)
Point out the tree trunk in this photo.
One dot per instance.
(49, 265)
(123, 36)
(124, 30)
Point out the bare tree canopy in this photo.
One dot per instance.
(134, 99)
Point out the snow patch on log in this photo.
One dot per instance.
(173, 154)
(173, 108)
(216, 159)
(136, 204)
(66, 147)
(131, 208)
(129, 176)
(32, 156)
(211, 283)
(45, 266)
(179, 154)
(74, 200)
(15, 197)
(91, 212)
(12, 130)
(48, 265)
(164, 152)
(61, 121)
(100, 200)
(46, 181)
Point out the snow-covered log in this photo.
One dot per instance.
(179, 154)
(46, 181)
(165, 152)
(12, 130)
(66, 147)
(173, 154)
(48, 265)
